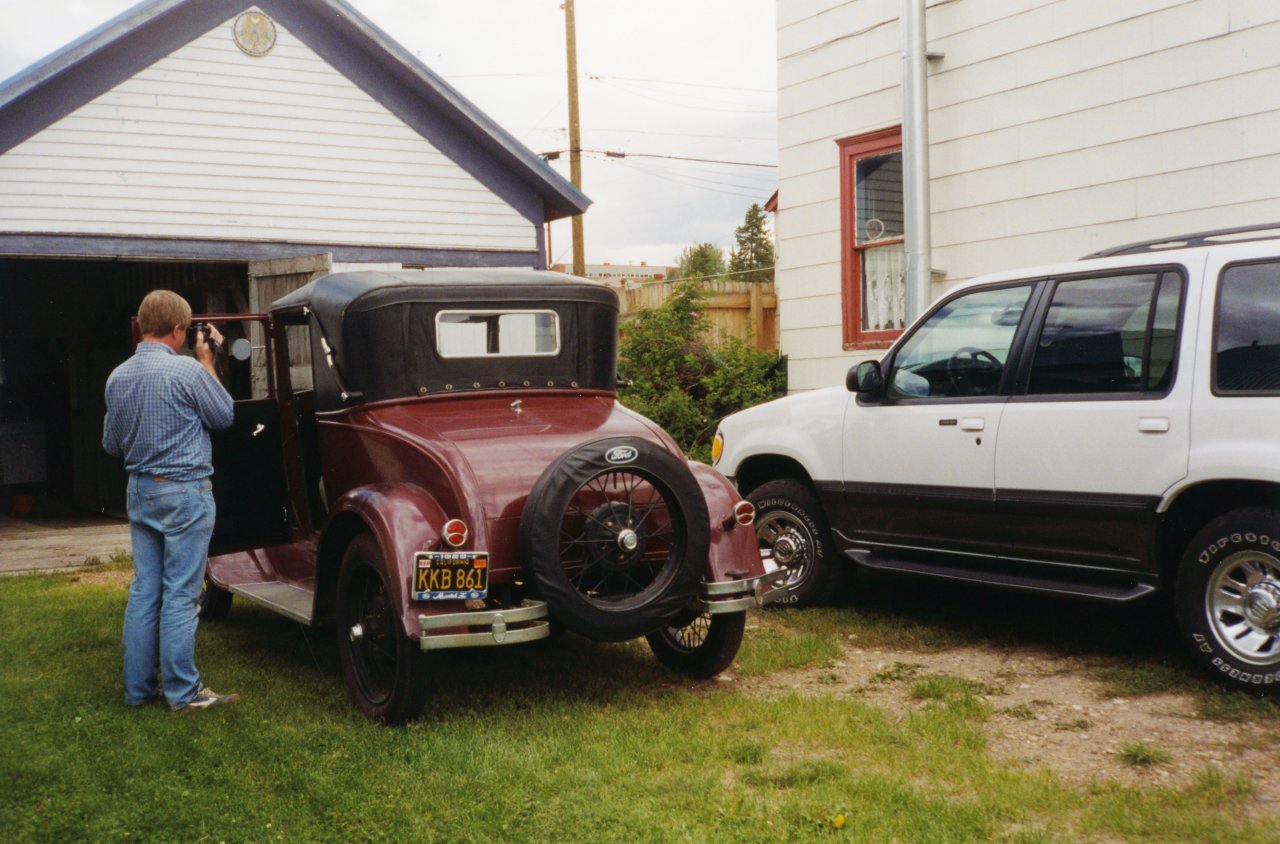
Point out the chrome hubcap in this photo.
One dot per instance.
(1244, 606)
(785, 542)
(785, 550)
(1262, 605)
(628, 540)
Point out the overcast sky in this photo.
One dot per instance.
(693, 78)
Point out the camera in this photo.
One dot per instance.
(203, 328)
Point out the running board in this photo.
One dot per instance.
(1118, 594)
(290, 601)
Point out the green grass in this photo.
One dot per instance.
(1142, 755)
(896, 673)
(565, 740)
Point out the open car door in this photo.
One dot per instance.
(250, 484)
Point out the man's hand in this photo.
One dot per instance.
(204, 352)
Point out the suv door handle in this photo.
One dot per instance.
(1153, 424)
(972, 423)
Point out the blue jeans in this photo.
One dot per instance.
(170, 522)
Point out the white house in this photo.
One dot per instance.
(228, 150)
(1056, 128)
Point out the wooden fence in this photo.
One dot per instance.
(744, 309)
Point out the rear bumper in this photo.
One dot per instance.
(738, 595)
(484, 628)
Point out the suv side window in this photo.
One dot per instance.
(962, 348)
(1246, 342)
(1113, 334)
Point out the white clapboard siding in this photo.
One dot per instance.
(1056, 129)
(212, 143)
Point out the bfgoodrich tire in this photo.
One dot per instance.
(614, 536)
(385, 671)
(702, 648)
(791, 528)
(1228, 599)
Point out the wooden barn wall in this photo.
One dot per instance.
(212, 143)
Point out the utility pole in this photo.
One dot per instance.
(575, 137)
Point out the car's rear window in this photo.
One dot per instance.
(499, 333)
(1247, 330)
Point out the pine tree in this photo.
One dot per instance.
(754, 257)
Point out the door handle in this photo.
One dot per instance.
(1153, 424)
(973, 423)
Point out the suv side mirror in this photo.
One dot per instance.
(866, 379)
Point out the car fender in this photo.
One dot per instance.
(806, 427)
(404, 519)
(734, 553)
(1248, 460)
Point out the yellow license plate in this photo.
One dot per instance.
(450, 575)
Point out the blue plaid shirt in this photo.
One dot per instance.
(160, 408)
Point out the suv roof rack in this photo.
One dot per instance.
(1186, 241)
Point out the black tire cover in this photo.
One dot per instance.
(661, 602)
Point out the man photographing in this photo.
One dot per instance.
(160, 409)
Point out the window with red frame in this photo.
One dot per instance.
(873, 257)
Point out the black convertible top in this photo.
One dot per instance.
(379, 330)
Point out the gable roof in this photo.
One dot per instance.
(85, 69)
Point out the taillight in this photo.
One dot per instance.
(744, 513)
(456, 533)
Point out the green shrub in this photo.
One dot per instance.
(684, 379)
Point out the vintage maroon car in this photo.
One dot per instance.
(437, 459)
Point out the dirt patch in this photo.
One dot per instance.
(1048, 712)
(112, 578)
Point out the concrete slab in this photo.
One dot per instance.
(53, 544)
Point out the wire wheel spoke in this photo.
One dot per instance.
(618, 535)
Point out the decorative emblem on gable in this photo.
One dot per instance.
(255, 33)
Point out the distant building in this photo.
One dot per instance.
(621, 275)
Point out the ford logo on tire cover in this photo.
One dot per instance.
(621, 454)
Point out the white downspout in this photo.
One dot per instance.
(915, 159)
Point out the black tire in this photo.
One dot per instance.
(792, 531)
(385, 671)
(702, 648)
(214, 602)
(614, 537)
(1228, 599)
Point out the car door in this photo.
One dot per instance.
(1099, 426)
(250, 483)
(919, 464)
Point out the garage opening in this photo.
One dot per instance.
(64, 325)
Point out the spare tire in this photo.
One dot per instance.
(614, 537)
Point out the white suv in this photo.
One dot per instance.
(1103, 429)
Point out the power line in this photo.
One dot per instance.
(552, 155)
(667, 177)
(743, 108)
(718, 137)
(602, 78)
(768, 178)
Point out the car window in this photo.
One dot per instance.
(962, 348)
(472, 334)
(1112, 334)
(1247, 330)
(298, 341)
